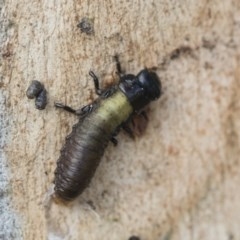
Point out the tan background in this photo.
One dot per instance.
(178, 181)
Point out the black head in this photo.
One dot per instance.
(141, 89)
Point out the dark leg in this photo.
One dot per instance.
(105, 93)
(114, 141)
(118, 65)
(128, 130)
(136, 124)
(79, 112)
(123, 77)
(144, 114)
(65, 107)
(96, 83)
(85, 110)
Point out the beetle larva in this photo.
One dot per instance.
(98, 124)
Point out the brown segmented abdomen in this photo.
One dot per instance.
(85, 146)
(80, 157)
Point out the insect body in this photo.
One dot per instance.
(99, 122)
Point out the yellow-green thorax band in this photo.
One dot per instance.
(115, 110)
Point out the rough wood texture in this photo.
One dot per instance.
(181, 179)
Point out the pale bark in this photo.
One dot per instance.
(180, 180)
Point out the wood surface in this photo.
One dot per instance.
(181, 178)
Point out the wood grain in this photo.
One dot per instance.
(178, 181)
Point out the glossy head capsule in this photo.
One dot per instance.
(141, 89)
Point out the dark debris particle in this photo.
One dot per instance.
(41, 100)
(37, 90)
(34, 89)
(209, 44)
(180, 51)
(134, 238)
(91, 204)
(86, 26)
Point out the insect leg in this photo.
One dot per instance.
(85, 110)
(114, 141)
(118, 65)
(96, 83)
(105, 93)
(136, 124)
(128, 130)
(123, 77)
(65, 107)
(144, 114)
(79, 112)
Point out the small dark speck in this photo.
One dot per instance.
(180, 51)
(1, 196)
(86, 26)
(209, 44)
(230, 236)
(91, 204)
(104, 193)
(208, 65)
(134, 238)
(168, 235)
(6, 54)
